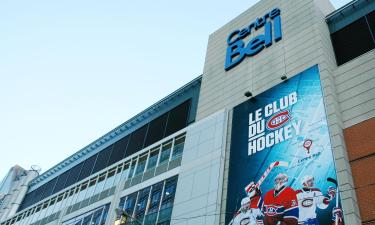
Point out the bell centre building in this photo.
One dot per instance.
(278, 130)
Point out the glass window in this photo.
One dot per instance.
(50, 207)
(87, 167)
(136, 140)
(49, 188)
(155, 198)
(165, 152)
(91, 188)
(119, 149)
(178, 146)
(131, 171)
(100, 185)
(58, 203)
(352, 41)
(153, 158)
(61, 180)
(87, 219)
(104, 215)
(118, 174)
(82, 193)
(169, 193)
(122, 203)
(110, 179)
(97, 216)
(102, 160)
(130, 203)
(39, 193)
(141, 164)
(125, 171)
(371, 21)
(178, 118)
(75, 196)
(36, 214)
(156, 129)
(73, 175)
(140, 208)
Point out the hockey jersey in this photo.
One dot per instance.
(308, 200)
(281, 206)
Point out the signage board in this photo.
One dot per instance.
(281, 168)
(237, 50)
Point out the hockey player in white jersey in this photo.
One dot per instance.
(249, 213)
(309, 198)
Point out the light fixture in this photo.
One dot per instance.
(248, 94)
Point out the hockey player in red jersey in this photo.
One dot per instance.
(311, 198)
(280, 206)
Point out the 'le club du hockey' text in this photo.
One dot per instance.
(276, 118)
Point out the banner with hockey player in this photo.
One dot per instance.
(281, 169)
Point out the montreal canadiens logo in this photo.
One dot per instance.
(271, 211)
(278, 120)
(307, 202)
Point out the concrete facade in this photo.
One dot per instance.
(306, 41)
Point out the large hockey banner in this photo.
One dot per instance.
(281, 169)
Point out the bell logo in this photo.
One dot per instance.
(237, 51)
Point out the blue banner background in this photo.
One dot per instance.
(310, 110)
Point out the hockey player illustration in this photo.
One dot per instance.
(337, 216)
(310, 198)
(250, 213)
(280, 206)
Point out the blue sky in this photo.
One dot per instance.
(70, 70)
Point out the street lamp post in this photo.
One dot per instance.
(122, 217)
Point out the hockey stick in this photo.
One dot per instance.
(266, 173)
(334, 181)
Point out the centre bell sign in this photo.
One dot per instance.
(237, 50)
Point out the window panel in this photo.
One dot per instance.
(39, 193)
(371, 20)
(27, 201)
(87, 167)
(178, 118)
(136, 141)
(178, 146)
(169, 193)
(132, 168)
(90, 189)
(119, 149)
(142, 201)
(165, 153)
(110, 179)
(125, 171)
(104, 215)
(82, 192)
(122, 203)
(152, 161)
(102, 160)
(100, 184)
(156, 129)
(352, 41)
(130, 203)
(155, 198)
(74, 175)
(141, 164)
(49, 187)
(61, 180)
(97, 216)
(86, 220)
